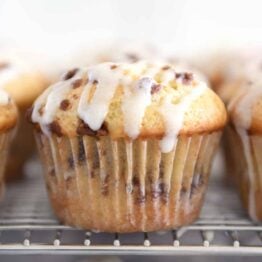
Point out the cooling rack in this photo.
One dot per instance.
(27, 226)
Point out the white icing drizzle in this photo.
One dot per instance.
(137, 81)
(174, 116)
(52, 98)
(53, 102)
(36, 116)
(134, 105)
(243, 106)
(94, 112)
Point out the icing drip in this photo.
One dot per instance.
(94, 112)
(52, 97)
(36, 116)
(174, 116)
(53, 101)
(135, 101)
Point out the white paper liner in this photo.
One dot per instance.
(122, 186)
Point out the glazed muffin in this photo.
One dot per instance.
(8, 120)
(228, 70)
(244, 144)
(127, 147)
(23, 84)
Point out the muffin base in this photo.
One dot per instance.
(126, 186)
(244, 154)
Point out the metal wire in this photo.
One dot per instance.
(27, 226)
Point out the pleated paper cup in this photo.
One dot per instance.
(5, 141)
(244, 153)
(101, 184)
(21, 149)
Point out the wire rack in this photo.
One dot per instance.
(27, 226)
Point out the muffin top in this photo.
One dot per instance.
(245, 109)
(8, 112)
(22, 83)
(229, 70)
(129, 100)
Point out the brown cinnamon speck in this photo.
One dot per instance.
(103, 130)
(84, 129)
(185, 77)
(95, 82)
(77, 83)
(113, 67)
(55, 128)
(70, 73)
(155, 88)
(166, 67)
(64, 104)
(132, 57)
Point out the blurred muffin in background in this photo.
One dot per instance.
(127, 146)
(243, 138)
(23, 83)
(8, 121)
(227, 70)
(237, 78)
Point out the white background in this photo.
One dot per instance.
(56, 27)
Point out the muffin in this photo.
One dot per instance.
(8, 119)
(23, 84)
(228, 70)
(127, 146)
(244, 144)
